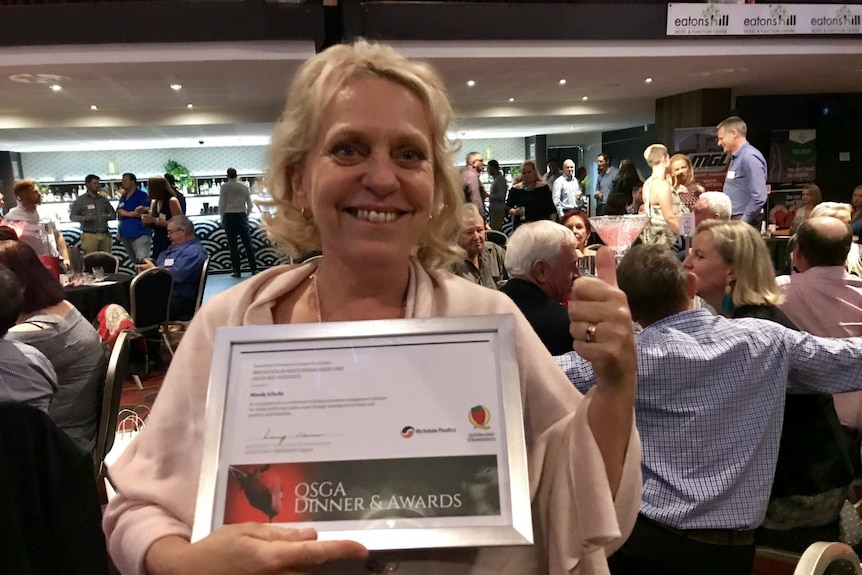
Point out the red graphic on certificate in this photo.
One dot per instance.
(480, 417)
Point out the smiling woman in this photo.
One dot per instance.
(361, 170)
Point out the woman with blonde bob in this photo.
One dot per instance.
(530, 200)
(362, 171)
(660, 201)
(733, 267)
(735, 274)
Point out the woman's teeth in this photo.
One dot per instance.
(378, 217)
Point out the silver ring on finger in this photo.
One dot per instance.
(591, 333)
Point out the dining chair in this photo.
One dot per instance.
(150, 297)
(109, 262)
(498, 238)
(118, 368)
(174, 330)
(49, 507)
(828, 558)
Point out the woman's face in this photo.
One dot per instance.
(679, 171)
(712, 272)
(856, 201)
(528, 175)
(579, 228)
(368, 178)
(807, 199)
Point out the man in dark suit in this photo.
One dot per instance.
(543, 259)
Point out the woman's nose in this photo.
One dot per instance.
(381, 176)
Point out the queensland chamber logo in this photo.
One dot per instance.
(479, 417)
(407, 432)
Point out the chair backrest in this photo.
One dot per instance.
(49, 505)
(109, 262)
(150, 295)
(202, 285)
(118, 368)
(498, 238)
(825, 558)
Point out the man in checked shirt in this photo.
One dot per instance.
(92, 211)
(709, 406)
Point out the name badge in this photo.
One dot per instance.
(730, 174)
(91, 206)
(169, 262)
(162, 217)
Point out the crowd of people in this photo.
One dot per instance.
(744, 387)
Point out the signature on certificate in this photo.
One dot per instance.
(279, 438)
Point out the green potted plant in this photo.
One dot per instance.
(184, 178)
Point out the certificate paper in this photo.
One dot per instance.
(397, 434)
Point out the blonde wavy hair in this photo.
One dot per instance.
(540, 181)
(743, 249)
(317, 82)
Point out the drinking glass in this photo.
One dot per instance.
(98, 273)
(619, 232)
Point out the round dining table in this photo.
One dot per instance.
(90, 298)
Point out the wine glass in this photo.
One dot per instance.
(619, 232)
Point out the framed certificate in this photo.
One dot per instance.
(398, 434)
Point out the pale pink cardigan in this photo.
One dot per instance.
(576, 521)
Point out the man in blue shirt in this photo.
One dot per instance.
(184, 259)
(130, 229)
(745, 182)
(710, 406)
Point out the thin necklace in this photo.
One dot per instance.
(317, 300)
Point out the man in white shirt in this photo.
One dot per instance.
(40, 233)
(567, 192)
(234, 207)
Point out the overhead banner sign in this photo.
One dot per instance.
(762, 19)
(792, 156)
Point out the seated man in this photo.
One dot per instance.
(709, 405)
(26, 376)
(184, 259)
(484, 264)
(542, 260)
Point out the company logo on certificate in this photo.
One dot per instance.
(380, 432)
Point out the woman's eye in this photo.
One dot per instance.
(345, 150)
(411, 155)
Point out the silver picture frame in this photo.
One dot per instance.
(493, 336)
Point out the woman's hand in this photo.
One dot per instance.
(598, 302)
(148, 219)
(248, 549)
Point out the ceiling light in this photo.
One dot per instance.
(563, 82)
(94, 107)
(56, 87)
(471, 83)
(585, 98)
(176, 86)
(190, 106)
(511, 99)
(648, 80)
